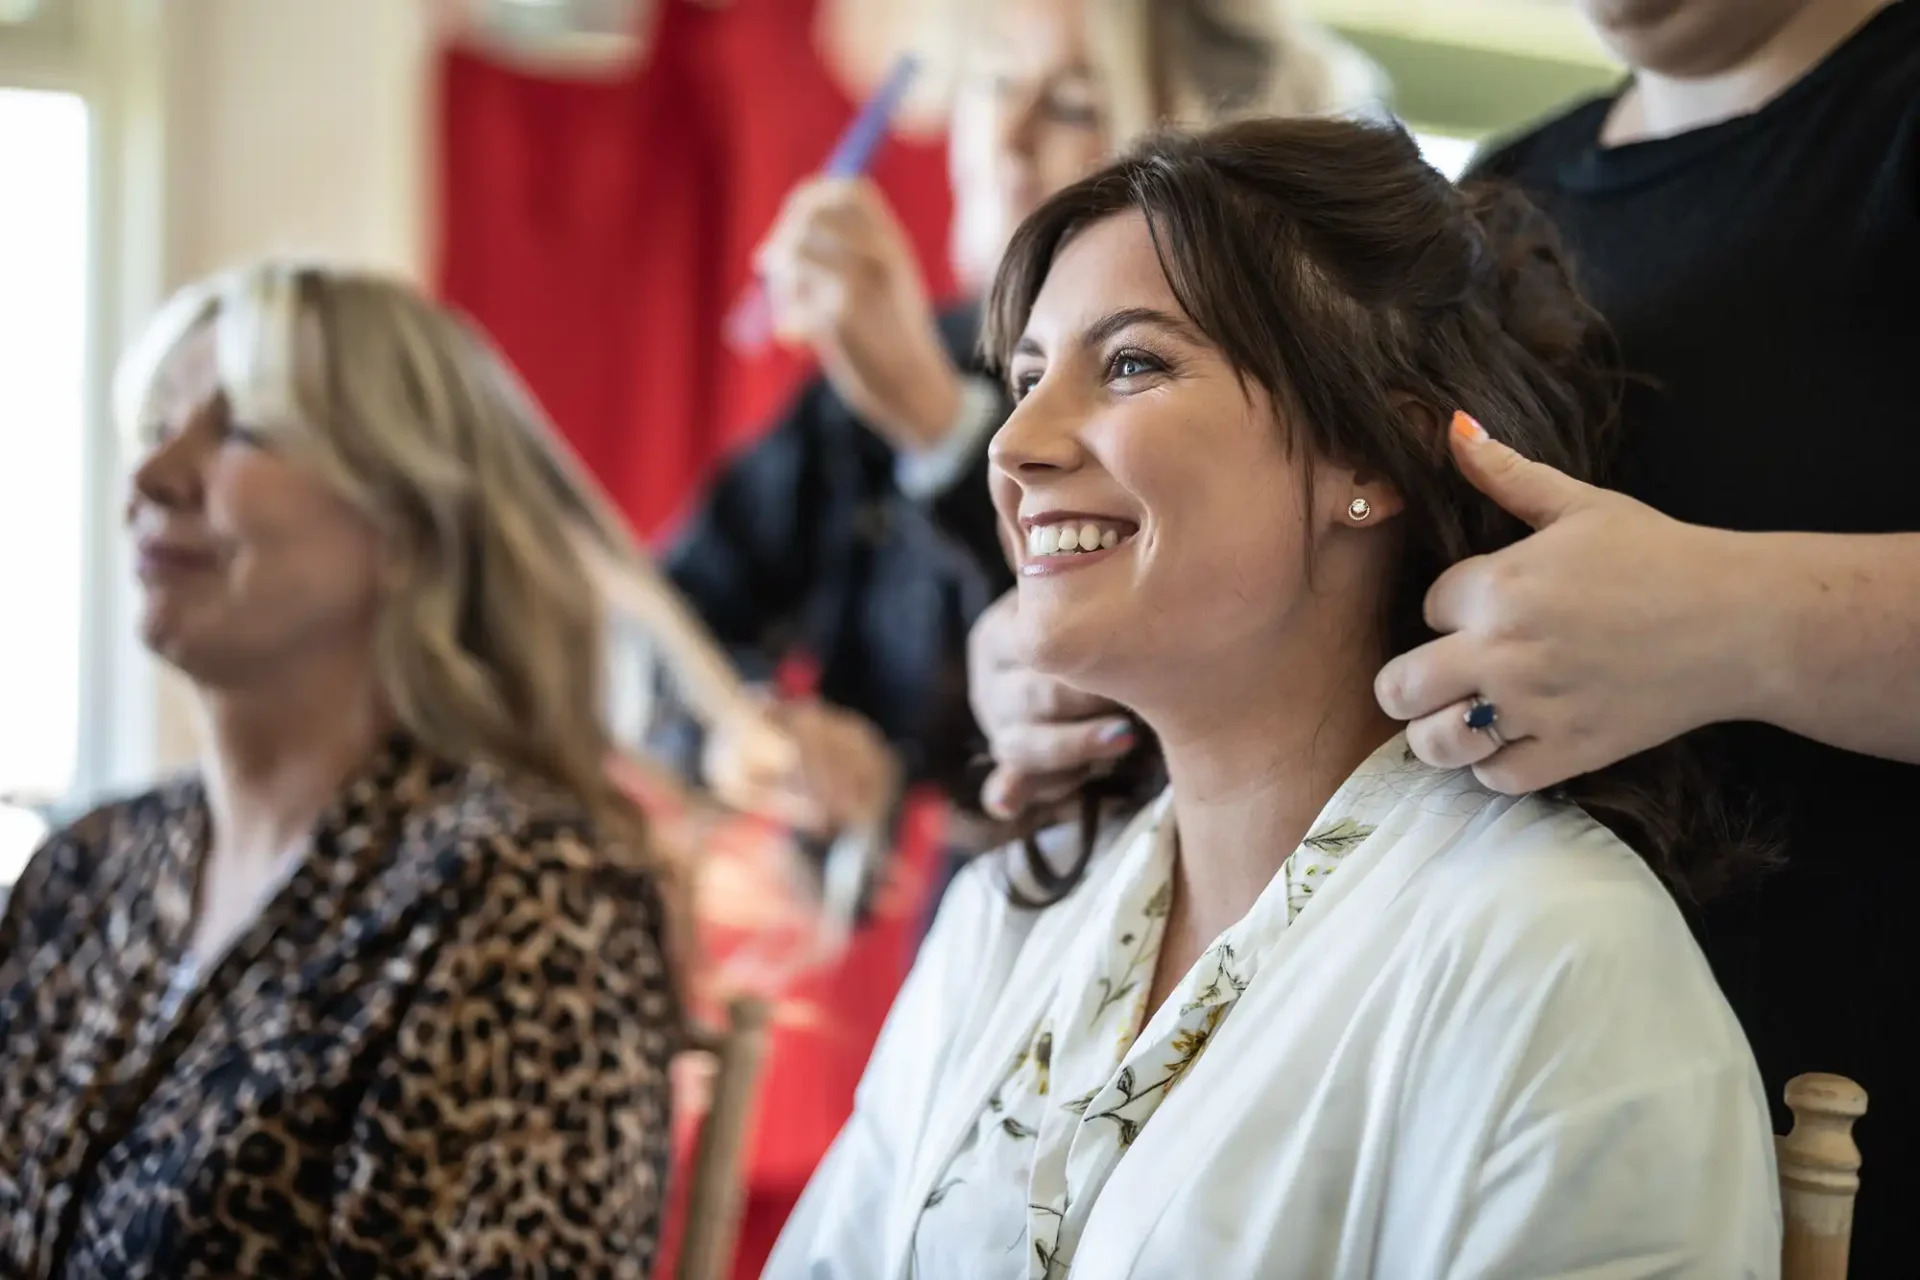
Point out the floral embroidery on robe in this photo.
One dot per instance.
(1099, 1063)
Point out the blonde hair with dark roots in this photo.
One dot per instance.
(1192, 64)
(493, 637)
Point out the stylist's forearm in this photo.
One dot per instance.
(1835, 640)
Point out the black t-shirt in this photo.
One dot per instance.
(1763, 277)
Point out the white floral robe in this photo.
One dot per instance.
(1486, 1047)
(1050, 1149)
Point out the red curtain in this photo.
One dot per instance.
(601, 230)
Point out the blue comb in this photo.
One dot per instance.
(750, 322)
(854, 152)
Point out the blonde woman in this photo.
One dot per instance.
(382, 987)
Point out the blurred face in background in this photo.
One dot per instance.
(247, 561)
(1687, 38)
(1029, 118)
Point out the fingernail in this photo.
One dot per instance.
(1467, 427)
(1116, 733)
(993, 798)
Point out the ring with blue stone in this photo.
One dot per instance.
(1482, 716)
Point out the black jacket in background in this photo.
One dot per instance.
(805, 544)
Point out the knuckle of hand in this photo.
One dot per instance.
(1423, 740)
(1528, 661)
(1393, 688)
(1491, 574)
(1508, 585)
(1509, 620)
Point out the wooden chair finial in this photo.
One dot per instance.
(1819, 1175)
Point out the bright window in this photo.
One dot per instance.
(43, 346)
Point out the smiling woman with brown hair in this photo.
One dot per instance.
(858, 530)
(1319, 1009)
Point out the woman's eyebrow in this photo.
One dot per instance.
(1127, 317)
(1114, 322)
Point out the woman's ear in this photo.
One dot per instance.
(1355, 499)
(1360, 500)
(1364, 498)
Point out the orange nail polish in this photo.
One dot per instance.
(1466, 427)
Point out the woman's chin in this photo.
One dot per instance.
(159, 629)
(1070, 644)
(169, 649)
(173, 640)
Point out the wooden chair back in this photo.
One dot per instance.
(1819, 1176)
(717, 1182)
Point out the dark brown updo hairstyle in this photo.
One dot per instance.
(1332, 266)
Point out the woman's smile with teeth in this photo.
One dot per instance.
(1076, 537)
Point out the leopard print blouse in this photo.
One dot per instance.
(441, 1050)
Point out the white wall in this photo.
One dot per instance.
(296, 125)
(231, 129)
(1535, 28)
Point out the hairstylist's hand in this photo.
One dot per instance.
(1611, 629)
(1046, 739)
(839, 773)
(749, 758)
(847, 770)
(841, 277)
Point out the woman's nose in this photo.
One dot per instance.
(170, 476)
(1040, 436)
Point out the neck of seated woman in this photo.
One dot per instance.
(1252, 758)
(273, 758)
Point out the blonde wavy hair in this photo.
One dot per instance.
(504, 559)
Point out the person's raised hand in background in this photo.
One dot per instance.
(841, 278)
(839, 774)
(1046, 739)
